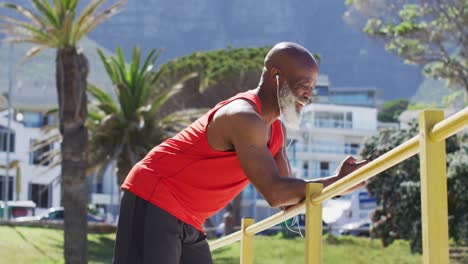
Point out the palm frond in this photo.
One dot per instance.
(72, 4)
(120, 62)
(177, 121)
(60, 10)
(135, 65)
(120, 70)
(14, 31)
(162, 98)
(107, 65)
(144, 76)
(102, 107)
(44, 142)
(94, 115)
(85, 16)
(47, 11)
(101, 96)
(51, 111)
(67, 28)
(27, 13)
(21, 40)
(150, 60)
(48, 157)
(33, 31)
(34, 51)
(98, 19)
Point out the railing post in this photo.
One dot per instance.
(313, 245)
(434, 212)
(246, 251)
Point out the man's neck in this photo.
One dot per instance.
(269, 103)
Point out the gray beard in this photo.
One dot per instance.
(287, 105)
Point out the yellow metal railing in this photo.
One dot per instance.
(430, 143)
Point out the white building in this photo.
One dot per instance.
(36, 181)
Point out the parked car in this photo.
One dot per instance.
(57, 214)
(361, 228)
(18, 209)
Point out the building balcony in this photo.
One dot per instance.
(337, 127)
(312, 174)
(326, 149)
(329, 123)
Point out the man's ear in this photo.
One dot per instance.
(275, 73)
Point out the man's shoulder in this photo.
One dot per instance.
(239, 111)
(240, 117)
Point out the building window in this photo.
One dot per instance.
(324, 169)
(33, 119)
(352, 148)
(305, 137)
(333, 119)
(321, 90)
(39, 193)
(38, 156)
(349, 116)
(323, 146)
(4, 139)
(291, 151)
(305, 169)
(10, 188)
(99, 187)
(98, 184)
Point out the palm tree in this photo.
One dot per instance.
(57, 26)
(126, 125)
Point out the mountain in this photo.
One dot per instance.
(181, 27)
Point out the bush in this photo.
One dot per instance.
(397, 190)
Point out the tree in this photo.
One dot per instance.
(391, 110)
(57, 26)
(126, 128)
(397, 190)
(431, 33)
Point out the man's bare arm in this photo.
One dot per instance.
(282, 162)
(250, 143)
(238, 126)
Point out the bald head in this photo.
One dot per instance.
(289, 76)
(289, 66)
(288, 56)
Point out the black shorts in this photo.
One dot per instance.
(148, 234)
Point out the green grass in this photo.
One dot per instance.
(349, 250)
(37, 245)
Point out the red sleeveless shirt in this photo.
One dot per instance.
(187, 178)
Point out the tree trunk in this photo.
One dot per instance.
(236, 209)
(124, 165)
(71, 74)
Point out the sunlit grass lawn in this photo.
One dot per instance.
(347, 250)
(37, 245)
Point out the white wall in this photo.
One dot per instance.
(29, 173)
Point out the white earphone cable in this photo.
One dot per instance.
(283, 155)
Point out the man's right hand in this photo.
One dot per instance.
(349, 165)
